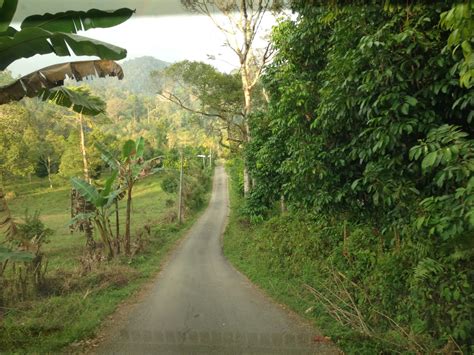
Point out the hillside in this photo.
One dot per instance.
(137, 78)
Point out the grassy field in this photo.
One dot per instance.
(54, 207)
(75, 302)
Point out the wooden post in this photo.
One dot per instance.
(180, 200)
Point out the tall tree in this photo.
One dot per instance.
(16, 141)
(200, 89)
(50, 150)
(242, 28)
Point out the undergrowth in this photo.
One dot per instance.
(367, 295)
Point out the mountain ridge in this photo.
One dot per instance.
(137, 78)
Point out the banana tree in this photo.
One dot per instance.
(57, 33)
(6, 255)
(81, 101)
(103, 199)
(44, 83)
(131, 166)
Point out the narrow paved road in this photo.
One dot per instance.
(201, 305)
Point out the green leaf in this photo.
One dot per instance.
(7, 11)
(73, 21)
(354, 184)
(140, 147)
(108, 184)
(15, 256)
(80, 217)
(128, 149)
(429, 160)
(111, 198)
(411, 100)
(107, 156)
(77, 99)
(31, 41)
(405, 109)
(86, 190)
(419, 222)
(47, 78)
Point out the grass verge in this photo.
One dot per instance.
(242, 250)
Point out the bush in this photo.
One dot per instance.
(170, 184)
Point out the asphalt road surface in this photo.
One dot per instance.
(200, 304)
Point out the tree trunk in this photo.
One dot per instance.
(89, 232)
(48, 169)
(246, 180)
(283, 208)
(88, 229)
(127, 219)
(117, 227)
(247, 109)
(180, 197)
(7, 225)
(83, 149)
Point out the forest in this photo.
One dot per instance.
(349, 143)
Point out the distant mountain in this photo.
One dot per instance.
(137, 79)
(137, 74)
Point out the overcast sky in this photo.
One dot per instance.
(160, 28)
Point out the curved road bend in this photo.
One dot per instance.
(201, 305)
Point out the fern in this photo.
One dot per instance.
(426, 268)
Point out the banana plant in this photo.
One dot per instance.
(57, 33)
(7, 255)
(103, 199)
(44, 83)
(54, 33)
(131, 166)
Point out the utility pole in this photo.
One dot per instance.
(180, 201)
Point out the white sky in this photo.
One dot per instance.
(169, 38)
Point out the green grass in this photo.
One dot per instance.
(78, 303)
(54, 207)
(241, 249)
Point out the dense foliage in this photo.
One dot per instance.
(369, 130)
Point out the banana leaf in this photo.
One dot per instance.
(16, 256)
(52, 76)
(88, 191)
(78, 100)
(73, 21)
(107, 156)
(7, 11)
(31, 41)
